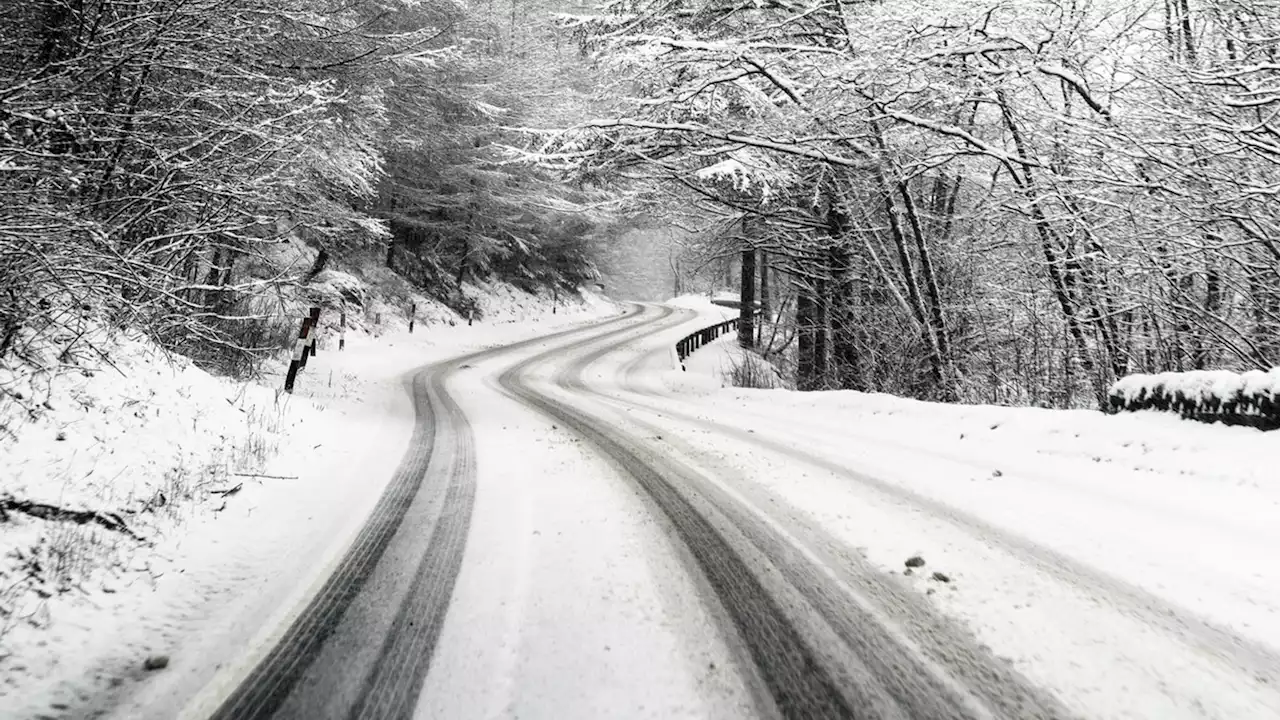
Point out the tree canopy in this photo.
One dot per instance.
(1013, 201)
(153, 152)
(1007, 201)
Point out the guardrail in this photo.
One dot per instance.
(694, 340)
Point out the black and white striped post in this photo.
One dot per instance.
(303, 337)
(342, 330)
(413, 312)
(299, 359)
(315, 330)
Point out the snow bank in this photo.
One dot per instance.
(155, 441)
(502, 303)
(1145, 445)
(730, 365)
(122, 431)
(380, 302)
(701, 303)
(1085, 547)
(137, 437)
(1251, 398)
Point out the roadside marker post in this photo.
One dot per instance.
(299, 359)
(315, 330)
(303, 337)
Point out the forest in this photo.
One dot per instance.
(1012, 202)
(156, 154)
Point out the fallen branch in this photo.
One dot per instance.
(108, 520)
(262, 475)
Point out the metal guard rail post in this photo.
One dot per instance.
(699, 338)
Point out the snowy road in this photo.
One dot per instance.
(569, 538)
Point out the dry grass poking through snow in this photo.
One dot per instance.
(748, 370)
(104, 458)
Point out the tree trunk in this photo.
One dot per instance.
(766, 309)
(1188, 38)
(228, 267)
(937, 322)
(1212, 307)
(1058, 281)
(211, 278)
(822, 330)
(937, 360)
(805, 335)
(847, 370)
(747, 300)
(317, 267)
(55, 35)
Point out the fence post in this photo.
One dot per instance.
(299, 358)
(315, 329)
(303, 336)
(342, 329)
(413, 312)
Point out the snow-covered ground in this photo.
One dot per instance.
(571, 602)
(1124, 561)
(243, 496)
(1121, 562)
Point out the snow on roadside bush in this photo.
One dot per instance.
(1250, 398)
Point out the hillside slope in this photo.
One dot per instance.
(143, 493)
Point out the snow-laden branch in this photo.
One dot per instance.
(735, 48)
(733, 137)
(1077, 83)
(944, 129)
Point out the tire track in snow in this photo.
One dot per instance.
(798, 685)
(1241, 653)
(817, 653)
(937, 670)
(271, 682)
(392, 688)
(401, 668)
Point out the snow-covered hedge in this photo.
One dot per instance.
(1250, 398)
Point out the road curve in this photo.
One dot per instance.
(820, 646)
(361, 646)
(816, 632)
(1245, 655)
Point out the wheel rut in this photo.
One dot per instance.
(436, 476)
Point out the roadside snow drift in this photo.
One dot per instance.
(233, 496)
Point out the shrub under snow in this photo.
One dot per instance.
(1250, 398)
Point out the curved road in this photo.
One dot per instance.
(361, 646)
(807, 627)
